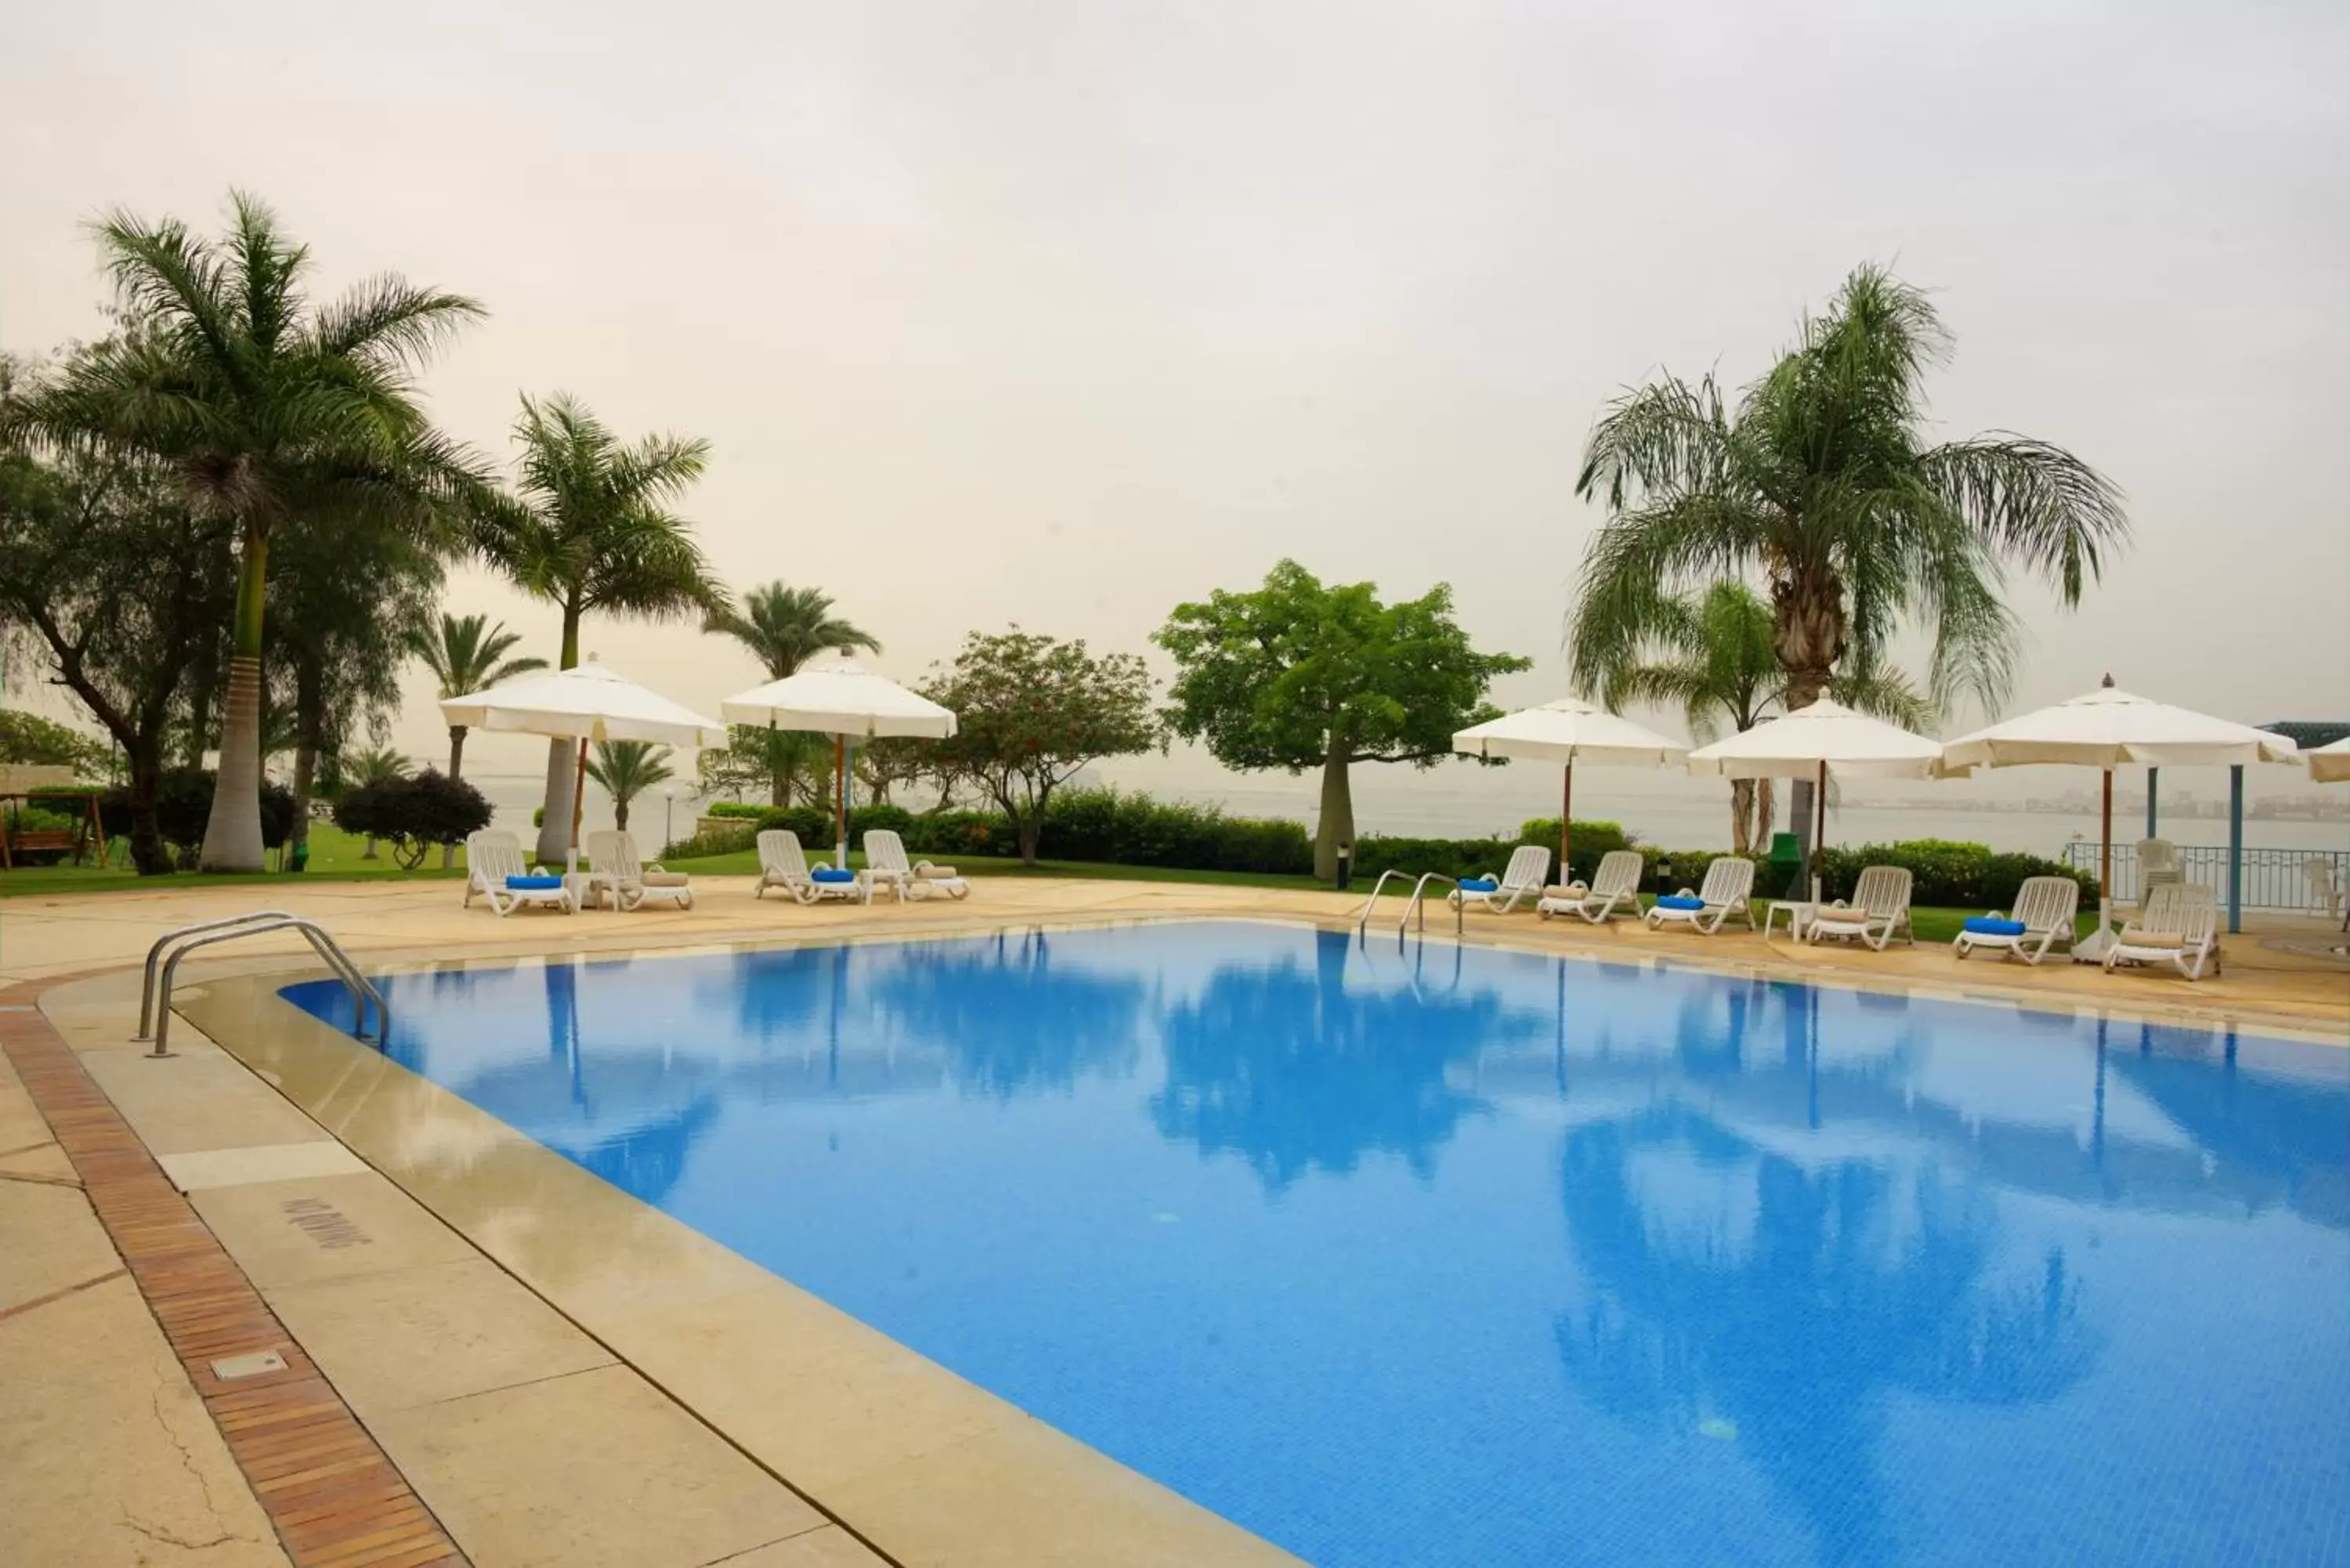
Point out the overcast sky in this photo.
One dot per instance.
(1059, 313)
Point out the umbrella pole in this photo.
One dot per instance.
(1566, 823)
(1819, 829)
(2093, 950)
(839, 803)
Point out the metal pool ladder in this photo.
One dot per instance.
(155, 1023)
(1416, 904)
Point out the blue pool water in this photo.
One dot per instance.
(1417, 1258)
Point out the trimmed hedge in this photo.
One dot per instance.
(1947, 873)
(1112, 827)
(1457, 858)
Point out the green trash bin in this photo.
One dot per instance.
(1787, 865)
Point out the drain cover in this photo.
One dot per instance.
(229, 1368)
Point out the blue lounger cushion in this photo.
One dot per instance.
(830, 875)
(1479, 884)
(1991, 926)
(1680, 901)
(534, 884)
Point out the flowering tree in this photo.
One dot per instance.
(1030, 712)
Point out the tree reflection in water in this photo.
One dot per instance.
(1011, 1021)
(1785, 1327)
(1297, 1072)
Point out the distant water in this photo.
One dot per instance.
(1398, 801)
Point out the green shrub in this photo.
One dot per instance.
(411, 814)
(1458, 857)
(31, 818)
(728, 841)
(1949, 874)
(734, 808)
(1112, 826)
(183, 804)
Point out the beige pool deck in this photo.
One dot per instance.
(495, 1357)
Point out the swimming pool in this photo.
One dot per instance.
(1439, 1256)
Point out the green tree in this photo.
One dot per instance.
(345, 604)
(627, 768)
(267, 409)
(465, 653)
(1301, 674)
(784, 628)
(789, 764)
(593, 531)
(1821, 481)
(379, 765)
(1710, 654)
(120, 581)
(1030, 712)
(44, 742)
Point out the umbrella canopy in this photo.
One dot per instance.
(2331, 764)
(2109, 728)
(1825, 738)
(589, 701)
(1567, 732)
(2106, 729)
(839, 697)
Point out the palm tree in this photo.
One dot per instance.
(1711, 655)
(784, 628)
(465, 655)
(378, 766)
(627, 768)
(1821, 481)
(592, 530)
(270, 408)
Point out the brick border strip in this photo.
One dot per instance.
(333, 1497)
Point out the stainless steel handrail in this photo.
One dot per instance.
(187, 938)
(1363, 916)
(1420, 903)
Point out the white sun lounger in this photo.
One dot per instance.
(886, 866)
(1528, 869)
(2180, 927)
(1615, 890)
(1728, 881)
(783, 864)
(493, 856)
(616, 869)
(2045, 906)
(1879, 910)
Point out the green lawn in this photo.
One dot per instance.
(335, 855)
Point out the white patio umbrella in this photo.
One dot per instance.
(2106, 729)
(1568, 732)
(591, 701)
(2331, 764)
(840, 698)
(1815, 741)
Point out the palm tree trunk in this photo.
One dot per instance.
(232, 831)
(456, 762)
(1336, 826)
(1741, 816)
(1807, 632)
(554, 831)
(620, 812)
(1764, 805)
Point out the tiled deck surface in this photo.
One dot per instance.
(608, 1428)
(333, 1499)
